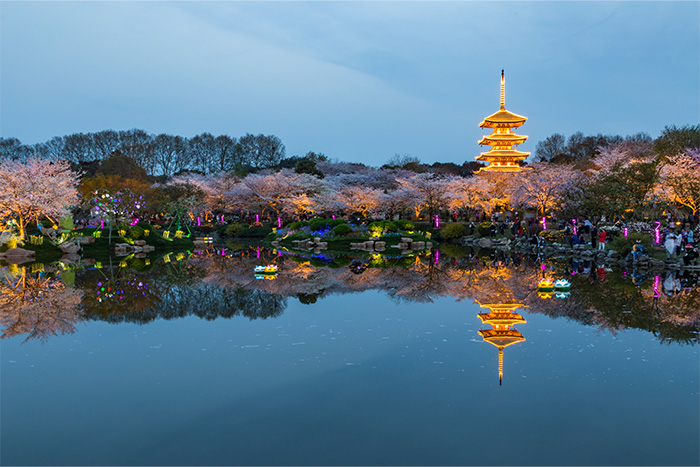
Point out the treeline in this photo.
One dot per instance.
(161, 154)
(579, 147)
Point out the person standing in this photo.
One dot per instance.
(670, 245)
(602, 238)
(594, 237)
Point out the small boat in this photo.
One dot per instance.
(562, 285)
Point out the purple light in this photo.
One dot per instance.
(437, 220)
(543, 267)
(333, 216)
(626, 230)
(279, 222)
(657, 232)
(199, 221)
(437, 256)
(257, 218)
(222, 219)
(223, 252)
(102, 224)
(544, 223)
(656, 286)
(257, 252)
(573, 221)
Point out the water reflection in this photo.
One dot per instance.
(220, 283)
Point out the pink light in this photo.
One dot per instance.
(543, 267)
(626, 230)
(573, 221)
(544, 223)
(223, 252)
(333, 216)
(657, 232)
(279, 222)
(279, 254)
(135, 222)
(437, 220)
(222, 219)
(656, 286)
(257, 252)
(199, 221)
(102, 224)
(437, 257)
(257, 218)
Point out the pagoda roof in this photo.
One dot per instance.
(503, 153)
(502, 338)
(507, 138)
(501, 117)
(501, 318)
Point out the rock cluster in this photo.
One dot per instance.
(315, 245)
(139, 246)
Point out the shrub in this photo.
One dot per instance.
(382, 227)
(297, 225)
(451, 231)
(335, 222)
(234, 228)
(255, 232)
(485, 229)
(318, 224)
(342, 229)
(623, 244)
(144, 225)
(136, 232)
(405, 225)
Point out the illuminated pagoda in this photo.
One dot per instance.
(501, 317)
(502, 157)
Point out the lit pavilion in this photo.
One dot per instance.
(502, 157)
(501, 317)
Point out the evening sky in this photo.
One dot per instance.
(358, 81)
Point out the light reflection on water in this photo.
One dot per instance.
(394, 373)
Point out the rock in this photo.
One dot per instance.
(406, 240)
(87, 240)
(378, 245)
(428, 244)
(483, 243)
(322, 245)
(418, 245)
(69, 247)
(148, 248)
(317, 240)
(369, 245)
(140, 255)
(143, 242)
(404, 246)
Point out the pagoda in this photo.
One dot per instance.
(502, 157)
(501, 317)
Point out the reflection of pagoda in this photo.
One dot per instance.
(502, 157)
(501, 317)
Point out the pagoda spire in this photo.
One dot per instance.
(503, 90)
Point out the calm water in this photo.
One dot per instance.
(325, 367)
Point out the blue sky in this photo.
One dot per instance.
(358, 81)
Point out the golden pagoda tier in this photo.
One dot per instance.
(502, 157)
(501, 317)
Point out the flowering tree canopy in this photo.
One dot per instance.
(35, 188)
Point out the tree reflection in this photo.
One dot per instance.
(37, 305)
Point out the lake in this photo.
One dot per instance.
(188, 359)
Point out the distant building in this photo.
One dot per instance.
(502, 157)
(501, 317)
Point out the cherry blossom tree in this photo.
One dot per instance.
(35, 188)
(541, 187)
(680, 180)
(429, 191)
(474, 193)
(356, 198)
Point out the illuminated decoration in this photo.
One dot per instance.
(257, 218)
(562, 285)
(657, 233)
(544, 223)
(279, 222)
(501, 318)
(573, 221)
(437, 256)
(545, 295)
(199, 221)
(437, 220)
(270, 269)
(502, 157)
(545, 285)
(656, 286)
(626, 231)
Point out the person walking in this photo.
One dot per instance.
(594, 237)
(602, 238)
